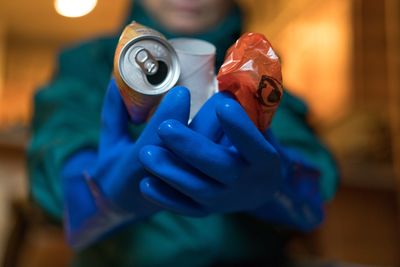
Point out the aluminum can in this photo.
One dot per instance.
(145, 68)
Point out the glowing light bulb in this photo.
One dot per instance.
(74, 8)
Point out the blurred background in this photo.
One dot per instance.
(341, 56)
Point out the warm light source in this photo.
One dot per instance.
(74, 8)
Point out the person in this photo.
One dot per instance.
(214, 192)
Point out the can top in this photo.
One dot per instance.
(137, 74)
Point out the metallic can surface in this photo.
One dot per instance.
(145, 68)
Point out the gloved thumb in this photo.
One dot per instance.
(175, 105)
(114, 119)
(206, 122)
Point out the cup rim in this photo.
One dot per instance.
(192, 46)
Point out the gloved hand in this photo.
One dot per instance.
(223, 163)
(102, 188)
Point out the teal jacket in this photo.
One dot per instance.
(67, 119)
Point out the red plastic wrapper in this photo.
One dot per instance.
(252, 73)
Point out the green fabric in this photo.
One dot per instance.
(172, 240)
(291, 128)
(67, 119)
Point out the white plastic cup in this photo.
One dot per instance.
(197, 62)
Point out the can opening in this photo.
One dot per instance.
(160, 75)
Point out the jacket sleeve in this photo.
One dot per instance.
(66, 118)
(292, 130)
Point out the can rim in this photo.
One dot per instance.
(162, 87)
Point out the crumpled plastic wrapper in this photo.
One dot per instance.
(252, 73)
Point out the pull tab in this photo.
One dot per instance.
(146, 61)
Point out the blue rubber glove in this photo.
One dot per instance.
(222, 163)
(102, 188)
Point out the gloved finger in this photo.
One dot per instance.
(168, 198)
(179, 175)
(205, 122)
(114, 119)
(224, 141)
(174, 105)
(201, 153)
(117, 175)
(242, 132)
(270, 137)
